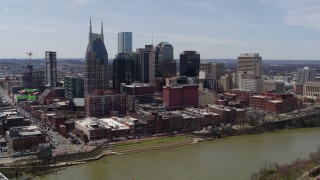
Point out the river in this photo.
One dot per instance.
(229, 158)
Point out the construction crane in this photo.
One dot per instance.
(30, 54)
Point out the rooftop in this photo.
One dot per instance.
(113, 123)
(24, 131)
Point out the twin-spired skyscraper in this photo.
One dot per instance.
(96, 63)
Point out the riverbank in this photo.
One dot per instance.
(241, 155)
(128, 147)
(156, 143)
(302, 169)
(110, 149)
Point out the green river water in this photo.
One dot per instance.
(222, 159)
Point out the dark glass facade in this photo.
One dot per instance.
(189, 63)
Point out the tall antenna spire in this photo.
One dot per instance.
(152, 38)
(90, 25)
(102, 26)
(90, 36)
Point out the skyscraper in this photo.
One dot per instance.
(189, 63)
(306, 74)
(212, 70)
(73, 87)
(124, 42)
(250, 64)
(165, 65)
(51, 69)
(144, 64)
(147, 64)
(123, 70)
(96, 63)
(164, 51)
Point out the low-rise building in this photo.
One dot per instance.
(9, 121)
(138, 93)
(228, 114)
(180, 96)
(242, 95)
(205, 97)
(27, 137)
(274, 102)
(54, 120)
(311, 89)
(94, 129)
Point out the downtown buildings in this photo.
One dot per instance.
(124, 42)
(96, 63)
(189, 63)
(249, 72)
(51, 69)
(102, 104)
(165, 65)
(249, 63)
(73, 87)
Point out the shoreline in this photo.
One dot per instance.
(144, 145)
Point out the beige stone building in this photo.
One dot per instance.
(205, 97)
(311, 89)
(249, 63)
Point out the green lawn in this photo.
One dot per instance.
(148, 142)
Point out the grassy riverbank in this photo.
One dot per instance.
(126, 147)
(116, 148)
(297, 169)
(147, 142)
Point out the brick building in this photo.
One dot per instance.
(55, 121)
(27, 137)
(138, 94)
(228, 114)
(114, 127)
(100, 104)
(274, 102)
(179, 96)
(7, 122)
(242, 95)
(47, 96)
(92, 129)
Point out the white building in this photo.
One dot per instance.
(249, 63)
(250, 83)
(306, 74)
(311, 89)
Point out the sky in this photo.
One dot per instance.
(277, 29)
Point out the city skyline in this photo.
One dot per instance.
(280, 29)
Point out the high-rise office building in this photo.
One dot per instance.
(144, 63)
(164, 51)
(51, 69)
(189, 63)
(123, 70)
(73, 87)
(124, 42)
(212, 70)
(306, 74)
(165, 65)
(250, 64)
(96, 63)
(147, 64)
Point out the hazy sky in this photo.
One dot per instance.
(277, 29)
